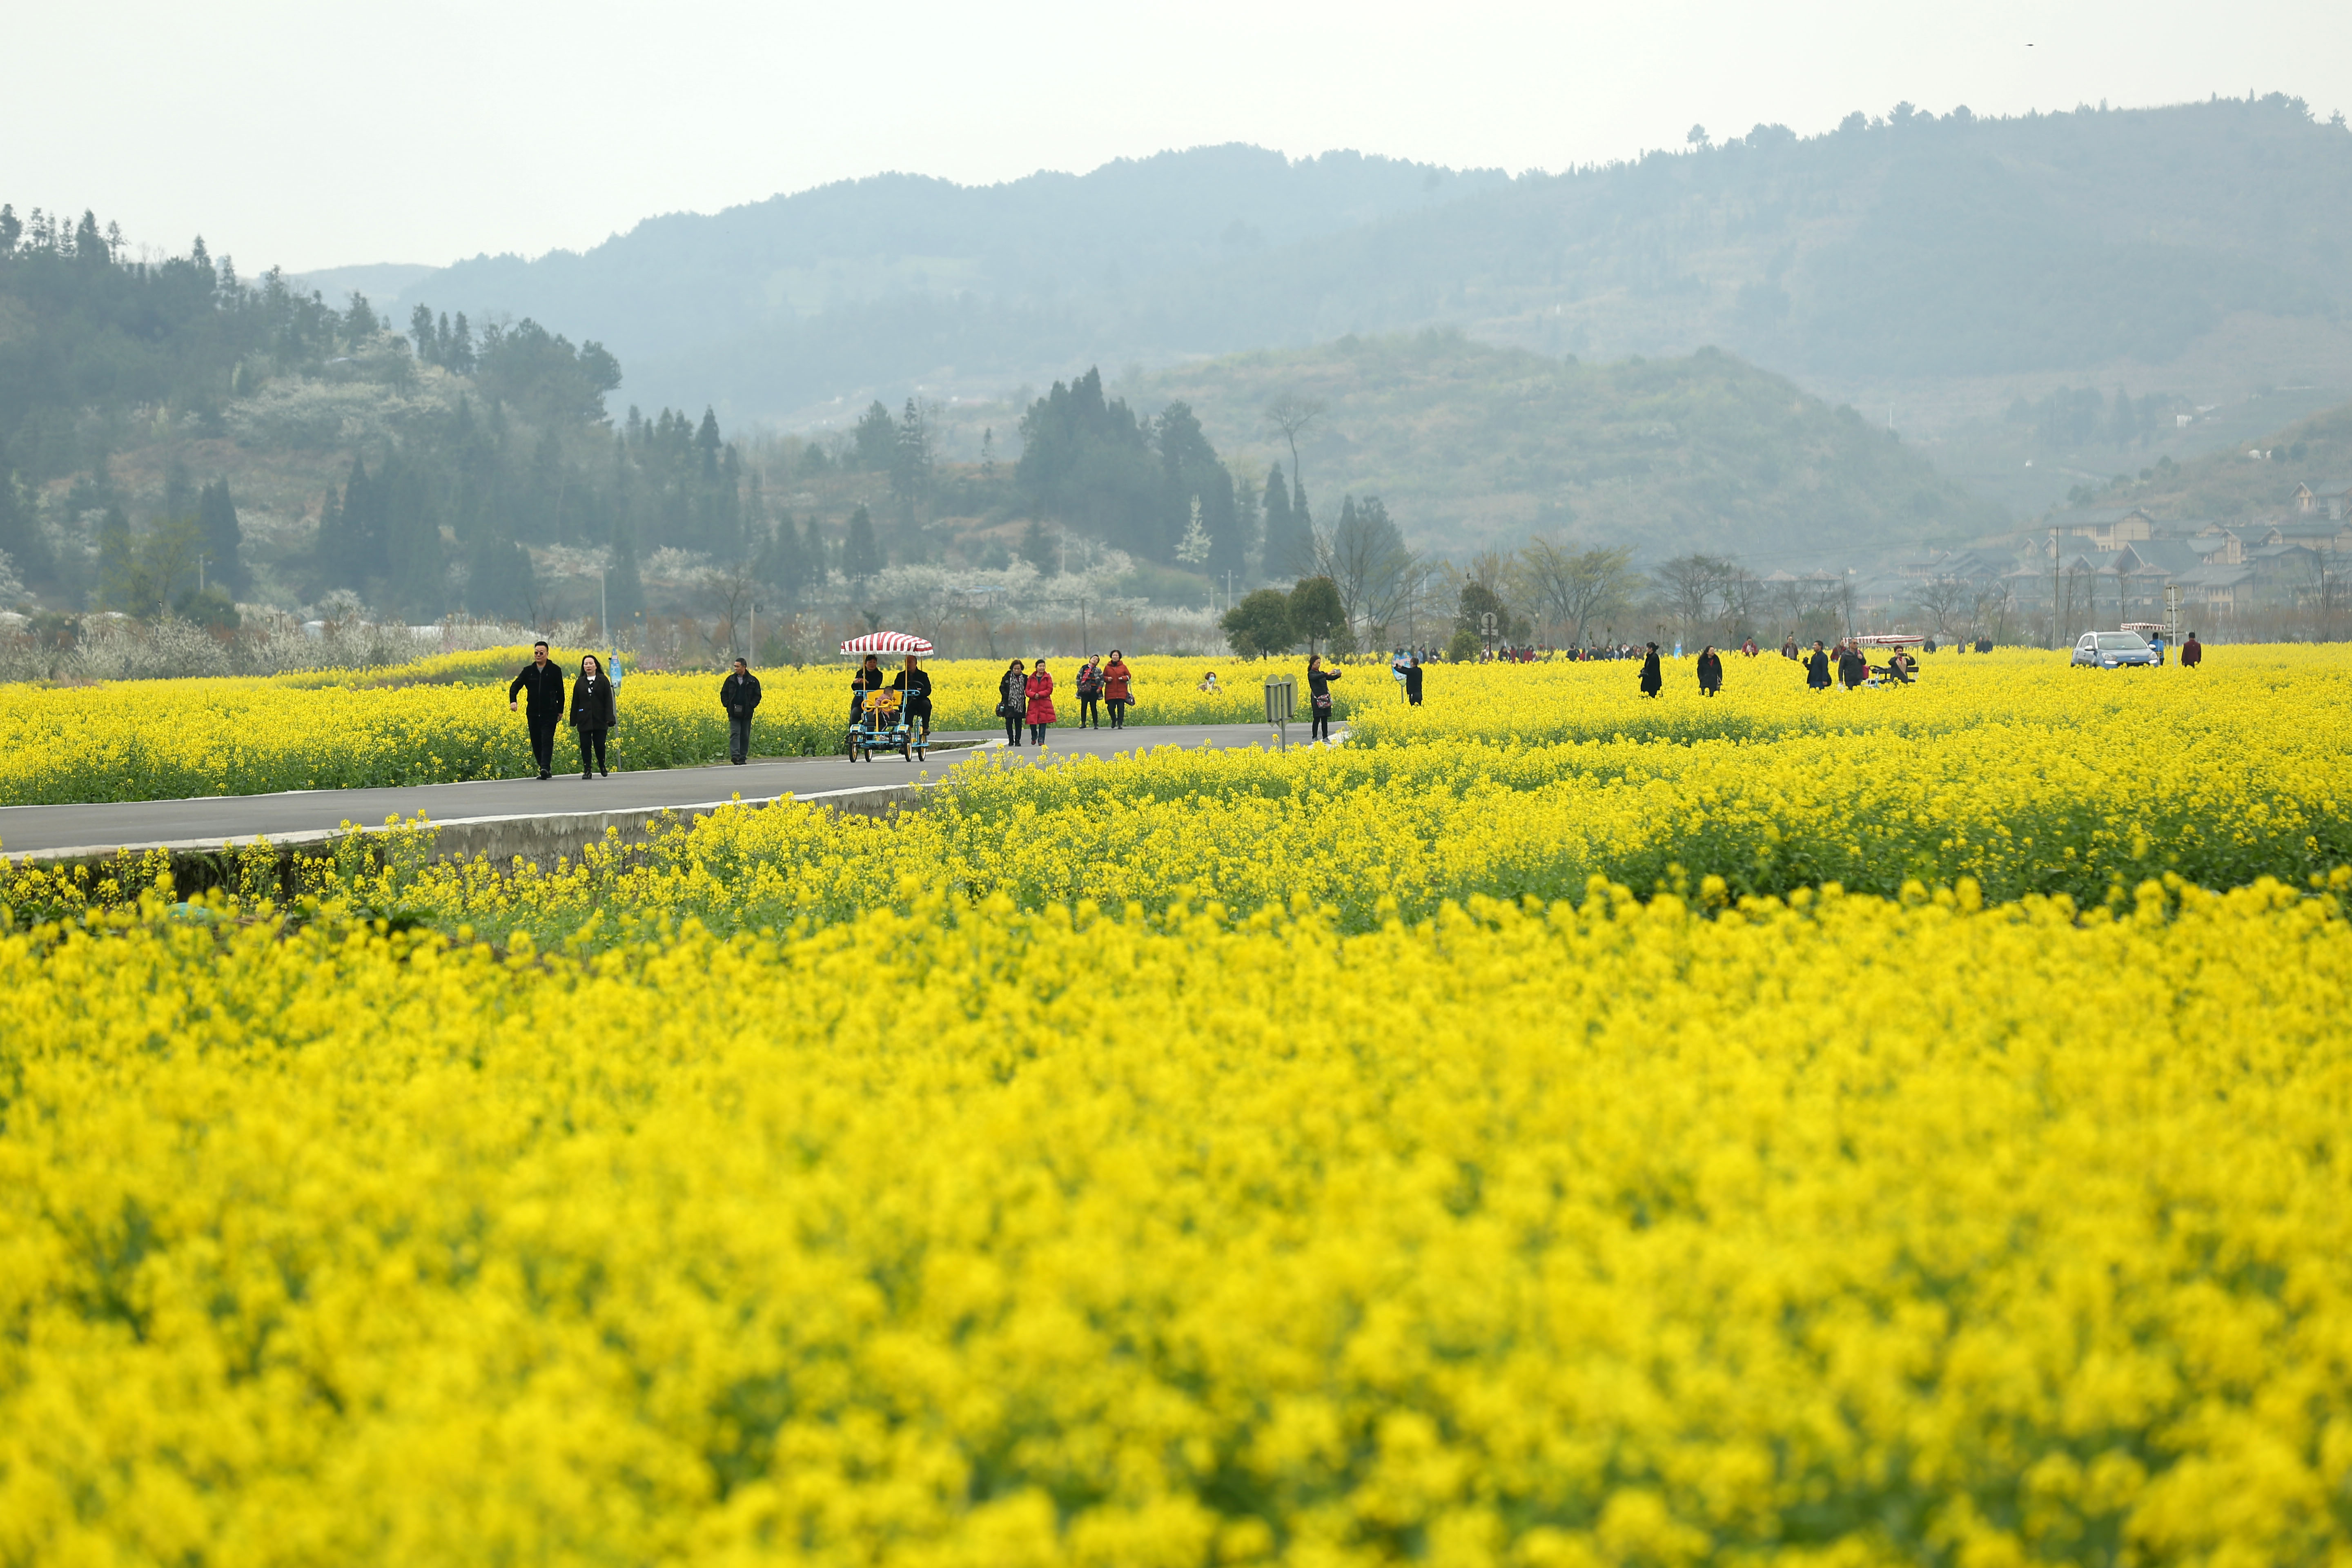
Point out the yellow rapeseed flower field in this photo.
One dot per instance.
(1555, 1128)
(1836, 1230)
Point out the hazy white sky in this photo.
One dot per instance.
(314, 136)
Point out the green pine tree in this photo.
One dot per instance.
(861, 557)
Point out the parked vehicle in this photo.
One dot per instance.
(2113, 651)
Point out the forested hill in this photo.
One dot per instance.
(1909, 245)
(2249, 483)
(172, 436)
(1472, 445)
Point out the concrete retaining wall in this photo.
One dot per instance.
(539, 839)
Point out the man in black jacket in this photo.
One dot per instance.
(740, 694)
(1853, 669)
(1817, 667)
(544, 710)
(916, 682)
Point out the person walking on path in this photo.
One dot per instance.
(1817, 667)
(1710, 671)
(1318, 698)
(1412, 682)
(592, 714)
(1013, 702)
(1089, 684)
(1040, 693)
(1118, 688)
(1654, 679)
(543, 683)
(739, 695)
(2192, 652)
(914, 686)
(1853, 669)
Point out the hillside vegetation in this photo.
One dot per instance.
(2253, 480)
(1470, 444)
(1908, 245)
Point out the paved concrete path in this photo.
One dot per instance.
(209, 821)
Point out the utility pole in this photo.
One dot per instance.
(200, 571)
(2055, 641)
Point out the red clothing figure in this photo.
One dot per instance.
(1040, 691)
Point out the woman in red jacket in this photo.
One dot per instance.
(1118, 690)
(1040, 691)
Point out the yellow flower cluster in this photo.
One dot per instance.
(1557, 1129)
(2077, 790)
(439, 721)
(1832, 1231)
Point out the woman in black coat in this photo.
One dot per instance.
(1710, 671)
(1817, 667)
(1652, 680)
(1319, 698)
(1013, 700)
(593, 713)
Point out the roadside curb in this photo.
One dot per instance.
(538, 838)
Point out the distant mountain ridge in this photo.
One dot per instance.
(1911, 245)
(887, 280)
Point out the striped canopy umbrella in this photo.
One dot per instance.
(885, 642)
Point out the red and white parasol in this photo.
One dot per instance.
(1889, 639)
(885, 642)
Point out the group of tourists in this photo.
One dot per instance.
(1026, 697)
(912, 683)
(593, 710)
(1024, 701)
(1846, 666)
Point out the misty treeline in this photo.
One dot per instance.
(471, 447)
(1555, 593)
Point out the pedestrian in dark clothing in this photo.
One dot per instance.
(870, 678)
(740, 694)
(1118, 688)
(1853, 669)
(1654, 681)
(1412, 682)
(914, 682)
(1898, 665)
(1710, 671)
(594, 713)
(1090, 684)
(2192, 652)
(1817, 667)
(1318, 698)
(1012, 702)
(1040, 693)
(544, 684)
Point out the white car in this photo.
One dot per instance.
(2113, 651)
